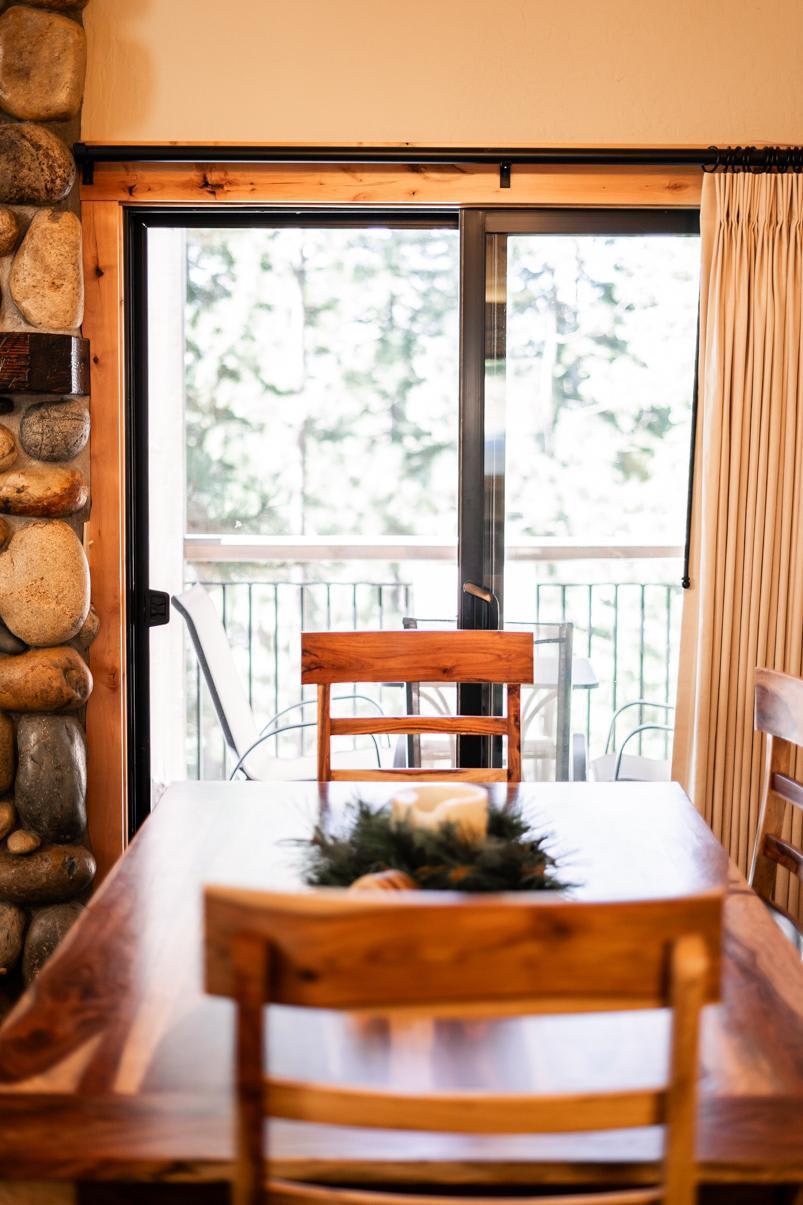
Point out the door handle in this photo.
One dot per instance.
(487, 596)
(157, 608)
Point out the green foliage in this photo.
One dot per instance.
(322, 393)
(322, 381)
(510, 858)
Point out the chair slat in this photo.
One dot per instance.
(290, 1192)
(463, 1112)
(415, 656)
(479, 725)
(785, 854)
(788, 788)
(464, 775)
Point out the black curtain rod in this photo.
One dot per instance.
(708, 159)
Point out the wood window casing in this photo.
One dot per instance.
(117, 188)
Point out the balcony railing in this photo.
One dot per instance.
(627, 629)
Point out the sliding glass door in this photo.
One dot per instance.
(302, 448)
(358, 419)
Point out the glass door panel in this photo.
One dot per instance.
(589, 370)
(303, 451)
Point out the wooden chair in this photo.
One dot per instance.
(461, 956)
(414, 656)
(779, 713)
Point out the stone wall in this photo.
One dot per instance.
(46, 622)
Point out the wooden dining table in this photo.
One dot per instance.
(116, 1067)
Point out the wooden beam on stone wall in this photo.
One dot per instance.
(32, 363)
(106, 720)
(388, 184)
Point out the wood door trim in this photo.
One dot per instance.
(104, 534)
(119, 187)
(387, 184)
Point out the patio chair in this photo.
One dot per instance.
(241, 731)
(553, 674)
(617, 766)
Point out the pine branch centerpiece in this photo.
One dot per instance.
(418, 842)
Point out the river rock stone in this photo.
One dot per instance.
(44, 680)
(9, 230)
(47, 278)
(89, 631)
(50, 787)
(41, 492)
(12, 931)
(7, 759)
(8, 818)
(46, 931)
(55, 430)
(42, 64)
(8, 448)
(35, 166)
(49, 875)
(22, 842)
(44, 584)
(9, 643)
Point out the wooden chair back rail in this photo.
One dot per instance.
(288, 1192)
(474, 774)
(779, 714)
(330, 950)
(418, 656)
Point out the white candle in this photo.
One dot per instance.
(464, 805)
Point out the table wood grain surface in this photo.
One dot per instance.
(116, 1065)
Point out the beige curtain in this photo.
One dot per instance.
(745, 605)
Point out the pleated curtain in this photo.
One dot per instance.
(745, 605)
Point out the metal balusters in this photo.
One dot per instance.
(629, 649)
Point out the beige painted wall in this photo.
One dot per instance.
(446, 71)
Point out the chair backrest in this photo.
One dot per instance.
(779, 714)
(499, 657)
(464, 956)
(550, 640)
(212, 648)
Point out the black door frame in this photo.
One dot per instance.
(481, 484)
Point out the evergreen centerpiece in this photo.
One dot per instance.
(380, 847)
